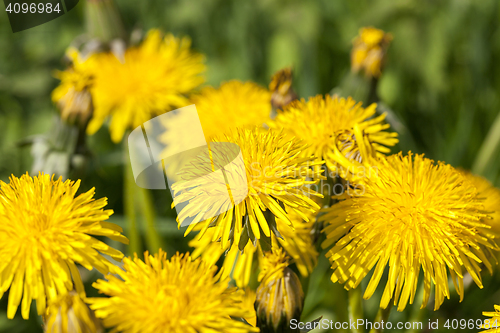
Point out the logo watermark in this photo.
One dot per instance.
(170, 151)
(26, 14)
(366, 325)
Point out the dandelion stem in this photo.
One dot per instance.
(147, 209)
(135, 245)
(355, 308)
(382, 315)
(487, 151)
(372, 94)
(103, 20)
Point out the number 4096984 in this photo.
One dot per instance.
(32, 8)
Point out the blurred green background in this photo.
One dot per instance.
(441, 85)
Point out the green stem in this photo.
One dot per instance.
(372, 93)
(134, 237)
(488, 149)
(103, 20)
(327, 186)
(355, 308)
(382, 315)
(148, 211)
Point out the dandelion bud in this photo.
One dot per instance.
(69, 314)
(279, 296)
(73, 97)
(76, 106)
(368, 52)
(281, 88)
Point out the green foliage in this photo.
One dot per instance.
(441, 86)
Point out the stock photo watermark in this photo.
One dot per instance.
(417, 326)
(26, 14)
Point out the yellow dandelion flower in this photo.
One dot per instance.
(234, 104)
(45, 230)
(69, 314)
(369, 50)
(412, 214)
(330, 124)
(150, 79)
(72, 96)
(271, 180)
(492, 325)
(280, 297)
(177, 295)
(491, 201)
(281, 88)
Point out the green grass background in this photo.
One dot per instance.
(441, 83)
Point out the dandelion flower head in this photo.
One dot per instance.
(413, 215)
(234, 104)
(274, 178)
(45, 230)
(490, 196)
(177, 295)
(151, 79)
(331, 126)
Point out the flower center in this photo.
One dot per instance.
(38, 223)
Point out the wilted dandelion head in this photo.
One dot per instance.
(414, 214)
(280, 297)
(234, 104)
(177, 295)
(151, 79)
(72, 96)
(271, 179)
(281, 88)
(69, 314)
(368, 51)
(45, 230)
(326, 124)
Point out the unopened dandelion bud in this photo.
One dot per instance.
(72, 96)
(280, 297)
(369, 50)
(281, 88)
(70, 314)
